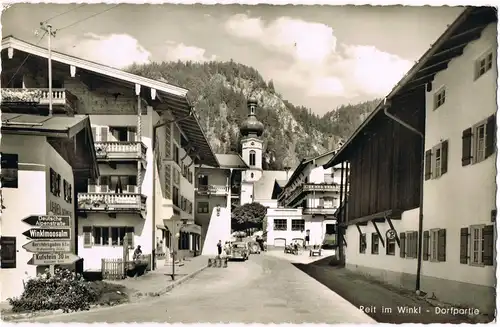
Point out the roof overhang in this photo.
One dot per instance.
(165, 96)
(465, 29)
(69, 131)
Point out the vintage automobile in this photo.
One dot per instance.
(239, 250)
(253, 247)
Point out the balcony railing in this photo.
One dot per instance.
(212, 190)
(118, 150)
(35, 97)
(319, 211)
(309, 187)
(112, 202)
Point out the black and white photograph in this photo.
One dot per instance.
(239, 163)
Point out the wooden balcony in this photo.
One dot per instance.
(36, 100)
(319, 210)
(289, 198)
(212, 190)
(112, 203)
(120, 151)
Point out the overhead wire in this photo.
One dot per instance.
(82, 20)
(25, 59)
(64, 13)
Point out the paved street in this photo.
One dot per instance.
(264, 289)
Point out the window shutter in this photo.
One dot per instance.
(490, 136)
(402, 247)
(131, 136)
(466, 146)
(94, 133)
(428, 164)
(464, 244)
(58, 185)
(104, 134)
(442, 245)
(425, 246)
(444, 157)
(87, 236)
(415, 244)
(488, 245)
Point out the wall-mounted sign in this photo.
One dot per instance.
(390, 234)
(48, 221)
(47, 246)
(48, 233)
(42, 259)
(8, 252)
(9, 171)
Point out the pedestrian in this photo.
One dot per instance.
(137, 253)
(219, 248)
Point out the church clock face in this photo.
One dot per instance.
(253, 143)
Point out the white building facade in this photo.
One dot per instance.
(459, 189)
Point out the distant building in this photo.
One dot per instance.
(430, 229)
(238, 180)
(313, 192)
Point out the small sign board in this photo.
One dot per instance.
(43, 259)
(48, 246)
(48, 221)
(48, 233)
(390, 234)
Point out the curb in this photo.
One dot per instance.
(169, 287)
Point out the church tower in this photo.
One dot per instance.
(251, 151)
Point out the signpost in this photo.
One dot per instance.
(51, 240)
(47, 246)
(41, 259)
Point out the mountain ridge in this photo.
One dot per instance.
(219, 91)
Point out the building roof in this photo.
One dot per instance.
(229, 161)
(263, 188)
(465, 29)
(167, 97)
(56, 127)
(304, 163)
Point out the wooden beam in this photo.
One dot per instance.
(378, 232)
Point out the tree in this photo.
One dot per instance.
(249, 215)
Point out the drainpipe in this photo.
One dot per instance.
(386, 106)
(153, 145)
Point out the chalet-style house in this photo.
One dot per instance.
(421, 206)
(314, 192)
(147, 141)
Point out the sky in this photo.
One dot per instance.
(317, 56)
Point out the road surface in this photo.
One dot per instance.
(264, 289)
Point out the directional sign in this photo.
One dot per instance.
(48, 221)
(48, 233)
(47, 246)
(42, 259)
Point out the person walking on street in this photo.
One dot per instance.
(219, 248)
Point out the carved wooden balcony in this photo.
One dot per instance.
(212, 190)
(112, 202)
(120, 151)
(288, 197)
(36, 100)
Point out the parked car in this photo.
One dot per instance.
(239, 250)
(254, 247)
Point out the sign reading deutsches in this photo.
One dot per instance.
(40, 259)
(50, 233)
(48, 246)
(48, 221)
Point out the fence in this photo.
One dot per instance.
(113, 268)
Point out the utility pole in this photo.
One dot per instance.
(48, 29)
